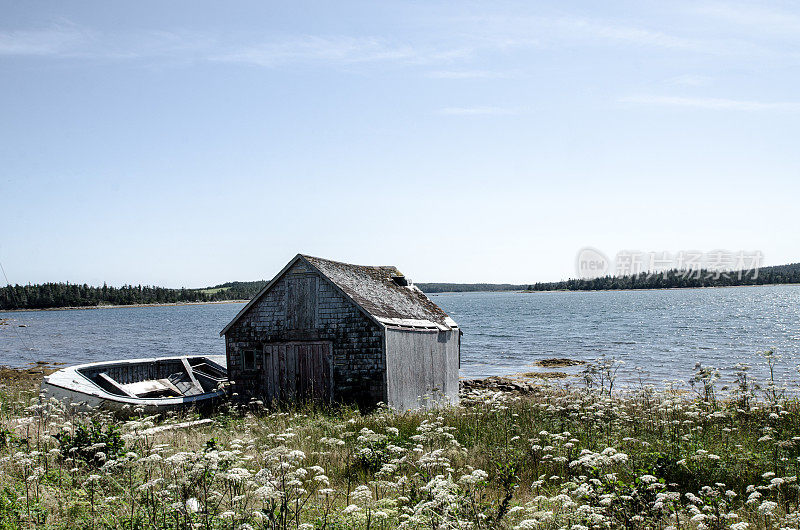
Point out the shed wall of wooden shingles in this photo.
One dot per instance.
(359, 367)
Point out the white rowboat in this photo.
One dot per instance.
(154, 384)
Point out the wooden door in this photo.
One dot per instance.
(298, 371)
(301, 303)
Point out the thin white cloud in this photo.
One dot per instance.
(712, 103)
(632, 35)
(53, 41)
(767, 21)
(504, 32)
(462, 42)
(449, 52)
(467, 74)
(70, 41)
(340, 49)
(73, 42)
(689, 80)
(478, 111)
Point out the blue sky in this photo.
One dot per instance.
(191, 143)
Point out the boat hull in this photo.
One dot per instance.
(78, 387)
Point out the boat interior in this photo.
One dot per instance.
(158, 378)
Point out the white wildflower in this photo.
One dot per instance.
(767, 507)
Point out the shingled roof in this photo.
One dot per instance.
(375, 290)
(380, 291)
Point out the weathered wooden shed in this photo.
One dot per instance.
(338, 332)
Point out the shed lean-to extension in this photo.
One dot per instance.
(333, 331)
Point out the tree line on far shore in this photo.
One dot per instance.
(53, 295)
(672, 279)
(469, 287)
(677, 279)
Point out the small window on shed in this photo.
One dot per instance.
(249, 360)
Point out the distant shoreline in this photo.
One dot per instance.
(526, 291)
(529, 291)
(120, 306)
(519, 291)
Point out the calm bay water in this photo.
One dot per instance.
(660, 334)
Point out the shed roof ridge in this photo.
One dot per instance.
(309, 257)
(371, 288)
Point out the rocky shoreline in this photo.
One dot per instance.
(523, 382)
(518, 384)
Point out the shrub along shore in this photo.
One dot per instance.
(585, 456)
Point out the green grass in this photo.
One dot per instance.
(558, 458)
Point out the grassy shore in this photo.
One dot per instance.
(555, 458)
